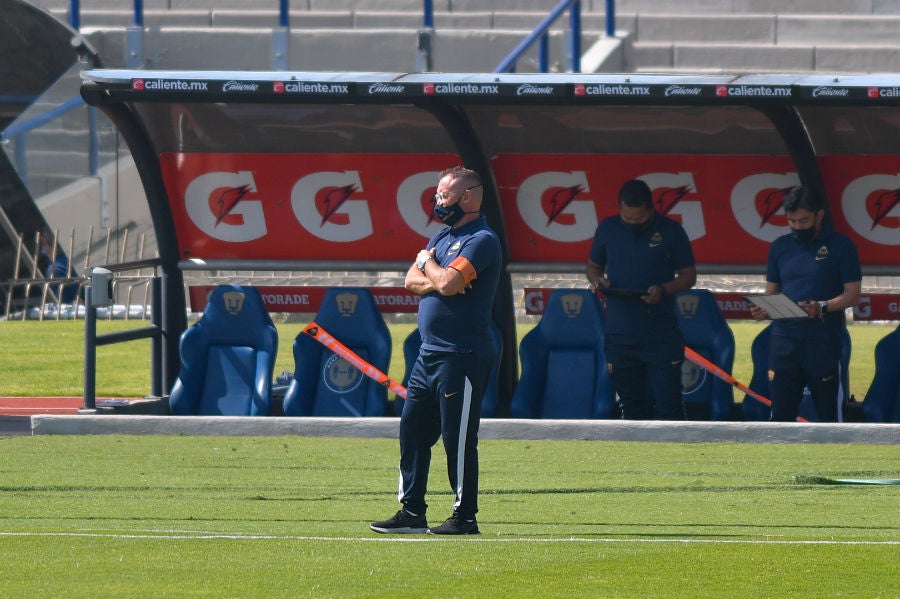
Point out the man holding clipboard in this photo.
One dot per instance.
(812, 276)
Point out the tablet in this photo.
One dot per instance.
(620, 292)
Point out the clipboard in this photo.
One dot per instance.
(777, 306)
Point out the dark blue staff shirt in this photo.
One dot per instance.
(462, 322)
(815, 271)
(639, 261)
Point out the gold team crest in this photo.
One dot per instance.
(346, 303)
(572, 303)
(688, 304)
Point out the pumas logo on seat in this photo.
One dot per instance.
(346, 303)
(688, 305)
(572, 304)
(234, 301)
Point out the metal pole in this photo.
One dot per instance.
(156, 344)
(93, 141)
(74, 14)
(284, 13)
(21, 158)
(90, 353)
(544, 54)
(428, 14)
(134, 38)
(575, 26)
(281, 37)
(424, 39)
(611, 18)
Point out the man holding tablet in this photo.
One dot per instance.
(640, 260)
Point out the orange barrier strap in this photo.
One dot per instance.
(326, 339)
(718, 372)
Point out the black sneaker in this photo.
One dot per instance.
(401, 523)
(456, 525)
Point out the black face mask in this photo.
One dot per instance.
(449, 215)
(804, 236)
(637, 228)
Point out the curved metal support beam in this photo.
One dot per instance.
(458, 126)
(790, 126)
(174, 319)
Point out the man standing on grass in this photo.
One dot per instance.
(456, 277)
(649, 256)
(818, 268)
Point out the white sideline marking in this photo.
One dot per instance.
(188, 535)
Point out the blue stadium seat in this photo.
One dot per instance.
(753, 409)
(227, 357)
(882, 401)
(564, 371)
(488, 404)
(706, 397)
(325, 384)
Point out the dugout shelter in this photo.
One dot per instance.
(336, 171)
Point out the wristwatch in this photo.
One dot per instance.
(420, 264)
(823, 309)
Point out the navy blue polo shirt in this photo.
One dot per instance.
(639, 261)
(462, 322)
(816, 271)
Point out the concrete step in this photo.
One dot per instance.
(831, 30)
(780, 7)
(725, 58)
(68, 140)
(43, 183)
(782, 30)
(118, 17)
(659, 28)
(317, 49)
(761, 58)
(526, 20)
(310, 19)
(699, 7)
(62, 162)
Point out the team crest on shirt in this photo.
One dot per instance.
(454, 248)
(771, 375)
(656, 240)
(822, 254)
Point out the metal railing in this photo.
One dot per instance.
(281, 37)
(154, 331)
(18, 135)
(541, 36)
(33, 295)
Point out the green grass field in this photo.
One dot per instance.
(148, 516)
(47, 358)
